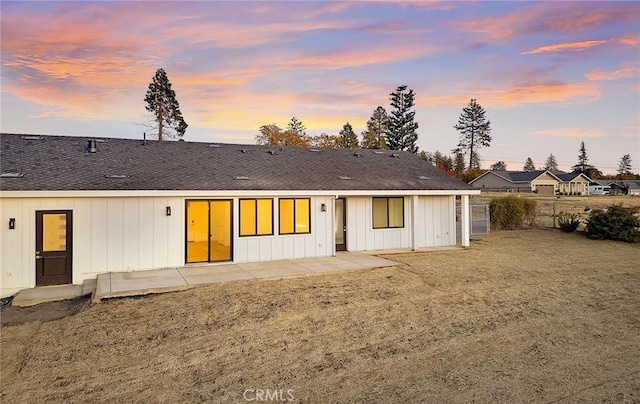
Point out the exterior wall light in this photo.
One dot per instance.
(323, 207)
(168, 210)
(12, 223)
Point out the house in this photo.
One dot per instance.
(573, 183)
(540, 181)
(624, 187)
(73, 207)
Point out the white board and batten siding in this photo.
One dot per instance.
(318, 243)
(434, 221)
(109, 235)
(115, 234)
(121, 234)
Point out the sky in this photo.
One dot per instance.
(550, 75)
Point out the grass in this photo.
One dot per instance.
(533, 316)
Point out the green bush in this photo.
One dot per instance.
(616, 223)
(510, 212)
(568, 222)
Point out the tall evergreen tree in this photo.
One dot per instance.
(474, 131)
(529, 165)
(402, 134)
(551, 164)
(162, 102)
(297, 127)
(374, 137)
(349, 137)
(498, 166)
(582, 166)
(459, 165)
(624, 167)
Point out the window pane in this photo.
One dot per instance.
(380, 213)
(247, 217)
(265, 216)
(396, 218)
(220, 247)
(286, 216)
(302, 216)
(197, 231)
(54, 232)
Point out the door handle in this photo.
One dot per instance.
(38, 256)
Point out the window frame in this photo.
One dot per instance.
(386, 198)
(294, 215)
(256, 219)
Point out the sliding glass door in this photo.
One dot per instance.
(209, 230)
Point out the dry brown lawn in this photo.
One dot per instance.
(523, 316)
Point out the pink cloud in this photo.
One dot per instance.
(626, 70)
(530, 93)
(551, 17)
(561, 47)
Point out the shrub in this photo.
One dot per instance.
(616, 223)
(568, 222)
(510, 212)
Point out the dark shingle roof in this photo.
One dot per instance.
(518, 176)
(567, 177)
(64, 163)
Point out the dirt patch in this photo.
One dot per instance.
(526, 316)
(43, 312)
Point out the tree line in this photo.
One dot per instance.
(394, 130)
(582, 166)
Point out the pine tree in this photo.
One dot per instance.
(402, 134)
(349, 137)
(474, 131)
(583, 161)
(297, 127)
(498, 166)
(161, 101)
(583, 165)
(529, 165)
(442, 162)
(378, 125)
(551, 164)
(459, 165)
(624, 167)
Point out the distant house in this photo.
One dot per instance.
(540, 181)
(625, 187)
(75, 207)
(573, 183)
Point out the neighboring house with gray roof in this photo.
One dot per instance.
(540, 181)
(75, 207)
(573, 183)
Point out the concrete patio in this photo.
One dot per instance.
(119, 284)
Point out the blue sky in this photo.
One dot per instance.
(549, 74)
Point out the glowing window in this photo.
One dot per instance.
(295, 216)
(256, 217)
